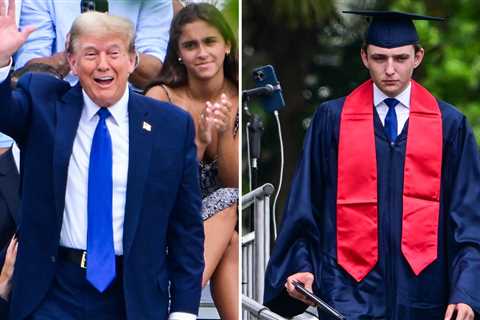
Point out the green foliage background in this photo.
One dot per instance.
(231, 12)
(315, 50)
(451, 70)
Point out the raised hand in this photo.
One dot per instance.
(11, 38)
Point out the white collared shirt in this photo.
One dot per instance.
(402, 109)
(75, 215)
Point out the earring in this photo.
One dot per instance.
(227, 53)
(180, 60)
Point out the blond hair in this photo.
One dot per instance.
(98, 23)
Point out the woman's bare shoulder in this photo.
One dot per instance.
(160, 92)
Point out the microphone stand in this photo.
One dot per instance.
(255, 131)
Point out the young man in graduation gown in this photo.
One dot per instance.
(383, 216)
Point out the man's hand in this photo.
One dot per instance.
(464, 312)
(304, 277)
(7, 270)
(11, 37)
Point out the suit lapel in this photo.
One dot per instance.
(68, 112)
(140, 148)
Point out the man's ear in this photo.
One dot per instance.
(134, 60)
(418, 57)
(364, 56)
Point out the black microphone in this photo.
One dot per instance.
(256, 130)
(260, 91)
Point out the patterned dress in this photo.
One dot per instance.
(215, 198)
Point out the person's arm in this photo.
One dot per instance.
(185, 234)
(13, 110)
(147, 69)
(57, 61)
(40, 43)
(151, 40)
(464, 219)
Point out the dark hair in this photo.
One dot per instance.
(417, 47)
(174, 73)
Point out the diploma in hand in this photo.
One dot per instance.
(317, 301)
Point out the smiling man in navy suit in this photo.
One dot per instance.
(111, 224)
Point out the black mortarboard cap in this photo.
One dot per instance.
(390, 29)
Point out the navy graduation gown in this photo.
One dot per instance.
(307, 240)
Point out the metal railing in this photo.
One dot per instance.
(256, 244)
(258, 310)
(255, 254)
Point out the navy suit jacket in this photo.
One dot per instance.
(9, 198)
(163, 231)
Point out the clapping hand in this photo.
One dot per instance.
(221, 114)
(12, 38)
(215, 116)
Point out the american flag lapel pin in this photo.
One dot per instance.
(147, 126)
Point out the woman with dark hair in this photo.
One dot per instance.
(200, 75)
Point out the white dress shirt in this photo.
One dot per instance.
(402, 109)
(75, 216)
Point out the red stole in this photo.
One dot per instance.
(357, 202)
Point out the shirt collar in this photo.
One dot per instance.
(119, 110)
(403, 97)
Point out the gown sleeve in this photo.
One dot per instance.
(293, 252)
(464, 218)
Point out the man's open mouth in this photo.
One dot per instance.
(104, 81)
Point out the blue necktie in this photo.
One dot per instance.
(100, 251)
(391, 124)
